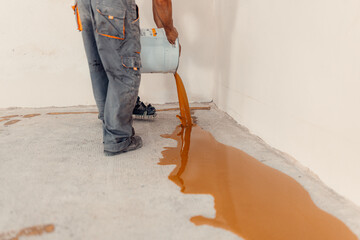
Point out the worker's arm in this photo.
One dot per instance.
(162, 10)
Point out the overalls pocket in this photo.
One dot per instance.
(137, 16)
(110, 22)
(131, 68)
(77, 16)
(131, 63)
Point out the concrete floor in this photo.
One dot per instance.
(52, 171)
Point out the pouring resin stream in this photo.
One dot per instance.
(185, 115)
(252, 200)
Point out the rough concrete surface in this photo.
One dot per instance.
(52, 171)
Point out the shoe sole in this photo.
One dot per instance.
(144, 116)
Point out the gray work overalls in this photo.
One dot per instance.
(111, 35)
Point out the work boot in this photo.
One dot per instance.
(136, 143)
(141, 111)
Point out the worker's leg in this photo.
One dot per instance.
(98, 75)
(118, 43)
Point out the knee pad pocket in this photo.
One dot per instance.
(131, 62)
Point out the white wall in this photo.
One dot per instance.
(289, 70)
(43, 62)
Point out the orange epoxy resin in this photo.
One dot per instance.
(252, 200)
(28, 232)
(183, 102)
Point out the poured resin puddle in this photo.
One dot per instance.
(11, 122)
(31, 115)
(11, 116)
(27, 232)
(252, 200)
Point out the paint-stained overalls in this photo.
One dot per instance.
(111, 35)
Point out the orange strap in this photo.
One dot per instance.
(76, 12)
(78, 19)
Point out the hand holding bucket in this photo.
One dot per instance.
(158, 55)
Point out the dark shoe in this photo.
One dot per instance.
(136, 143)
(141, 111)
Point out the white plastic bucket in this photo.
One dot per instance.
(157, 54)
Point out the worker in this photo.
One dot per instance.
(111, 36)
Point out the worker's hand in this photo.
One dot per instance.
(171, 35)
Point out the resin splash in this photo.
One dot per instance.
(28, 232)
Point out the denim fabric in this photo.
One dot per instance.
(111, 36)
